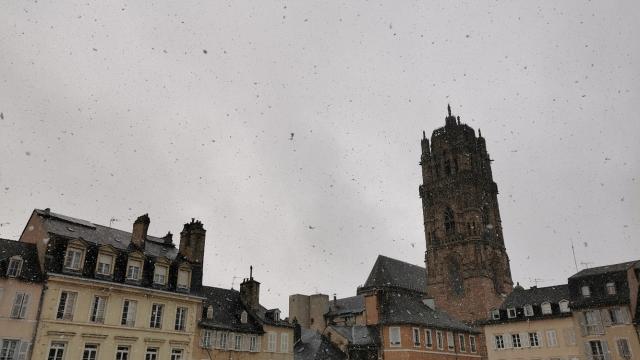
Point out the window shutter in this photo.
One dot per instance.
(508, 344)
(626, 317)
(583, 323)
(540, 339)
(606, 317)
(71, 303)
(495, 342)
(23, 309)
(524, 340)
(587, 351)
(24, 349)
(605, 350)
(17, 305)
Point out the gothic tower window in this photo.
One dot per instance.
(449, 221)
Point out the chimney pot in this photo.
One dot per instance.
(139, 233)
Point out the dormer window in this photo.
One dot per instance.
(495, 314)
(546, 308)
(15, 266)
(184, 279)
(209, 312)
(564, 306)
(73, 259)
(160, 275)
(134, 269)
(586, 291)
(611, 288)
(105, 264)
(528, 310)
(243, 317)
(511, 313)
(276, 315)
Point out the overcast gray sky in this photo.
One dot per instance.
(292, 129)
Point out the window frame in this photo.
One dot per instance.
(105, 251)
(498, 341)
(428, 340)
(15, 271)
(495, 314)
(177, 354)
(181, 318)
(12, 348)
(123, 352)
(552, 334)
(473, 345)
(95, 348)
(516, 339)
(462, 343)
(156, 274)
(128, 313)
(534, 335)
(546, 308)
(68, 312)
(182, 270)
(155, 320)
(57, 346)
(284, 342)
(135, 257)
(610, 288)
(21, 307)
(509, 313)
(395, 334)
(74, 248)
(628, 344)
(151, 353)
(585, 291)
(94, 309)
(272, 340)
(415, 331)
(528, 310)
(451, 341)
(439, 340)
(564, 306)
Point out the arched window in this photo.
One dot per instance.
(243, 317)
(209, 312)
(449, 221)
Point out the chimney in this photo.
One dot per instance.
(139, 233)
(250, 292)
(192, 239)
(168, 239)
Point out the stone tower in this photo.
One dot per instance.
(467, 265)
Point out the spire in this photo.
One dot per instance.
(449, 109)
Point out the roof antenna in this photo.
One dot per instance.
(575, 262)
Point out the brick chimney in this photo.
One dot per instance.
(250, 292)
(192, 239)
(139, 233)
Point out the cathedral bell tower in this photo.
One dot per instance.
(468, 270)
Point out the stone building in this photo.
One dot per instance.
(468, 269)
(20, 289)
(112, 294)
(533, 324)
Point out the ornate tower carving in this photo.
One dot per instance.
(467, 265)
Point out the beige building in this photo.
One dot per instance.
(112, 294)
(20, 290)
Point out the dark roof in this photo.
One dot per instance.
(536, 296)
(30, 270)
(358, 334)
(313, 345)
(350, 305)
(227, 309)
(70, 227)
(392, 273)
(606, 269)
(406, 308)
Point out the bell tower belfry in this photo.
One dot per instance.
(468, 271)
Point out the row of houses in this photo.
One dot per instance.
(72, 289)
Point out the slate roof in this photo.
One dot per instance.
(70, 227)
(227, 308)
(358, 334)
(314, 346)
(30, 270)
(406, 308)
(606, 269)
(350, 305)
(392, 273)
(536, 296)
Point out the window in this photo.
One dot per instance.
(176, 354)
(222, 340)
(104, 266)
(552, 338)
(624, 350)
(97, 309)
(586, 292)
(463, 344)
(156, 316)
(271, 345)
(15, 266)
(416, 337)
(394, 336)
(19, 308)
(564, 306)
(276, 315)
(206, 342)
(209, 312)
(439, 340)
(546, 308)
(253, 343)
(73, 259)
(184, 279)
(56, 351)
(181, 318)
(9, 349)
(129, 308)
(122, 353)
(499, 341)
(284, 342)
(428, 342)
(528, 310)
(495, 314)
(593, 323)
(515, 341)
(570, 336)
(66, 305)
(449, 221)
(472, 344)
(619, 315)
(511, 313)
(534, 340)
(237, 344)
(90, 352)
(597, 350)
(451, 341)
(151, 354)
(133, 270)
(611, 288)
(243, 317)
(160, 275)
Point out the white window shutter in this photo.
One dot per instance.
(524, 340)
(508, 344)
(495, 341)
(605, 350)
(540, 339)
(258, 346)
(23, 350)
(587, 351)
(25, 303)
(626, 317)
(606, 317)
(583, 323)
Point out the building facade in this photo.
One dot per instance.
(468, 270)
(112, 294)
(20, 289)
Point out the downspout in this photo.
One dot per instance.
(39, 313)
